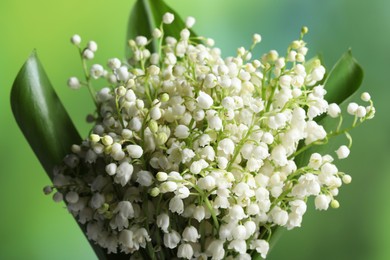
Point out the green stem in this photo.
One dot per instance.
(88, 78)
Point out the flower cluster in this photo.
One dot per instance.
(193, 155)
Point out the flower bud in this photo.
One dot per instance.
(365, 96)
(304, 30)
(190, 21)
(162, 176)
(58, 197)
(92, 45)
(155, 113)
(120, 91)
(154, 192)
(127, 134)
(47, 190)
(74, 83)
(335, 204)
(88, 54)
(256, 38)
(162, 138)
(72, 197)
(334, 110)
(347, 179)
(153, 126)
(107, 140)
(156, 33)
(352, 108)
(76, 39)
(168, 18)
(94, 138)
(168, 186)
(361, 111)
(182, 132)
(111, 168)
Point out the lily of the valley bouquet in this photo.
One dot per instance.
(193, 155)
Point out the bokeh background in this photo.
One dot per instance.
(33, 227)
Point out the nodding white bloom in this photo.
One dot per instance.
(199, 213)
(238, 245)
(185, 251)
(261, 247)
(216, 249)
(322, 202)
(342, 152)
(96, 201)
(226, 146)
(190, 234)
(123, 173)
(125, 208)
(171, 239)
(163, 222)
(279, 216)
(184, 135)
(176, 205)
(97, 71)
(334, 110)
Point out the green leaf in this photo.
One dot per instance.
(146, 16)
(41, 116)
(45, 123)
(344, 79)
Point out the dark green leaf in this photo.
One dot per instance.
(344, 79)
(41, 115)
(45, 123)
(146, 16)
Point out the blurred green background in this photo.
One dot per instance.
(33, 227)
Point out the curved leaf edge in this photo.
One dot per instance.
(37, 109)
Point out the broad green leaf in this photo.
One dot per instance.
(344, 79)
(41, 116)
(45, 123)
(146, 16)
